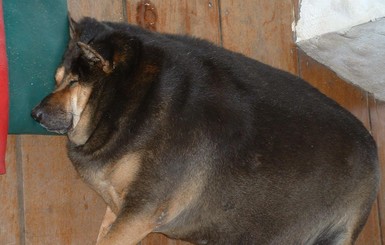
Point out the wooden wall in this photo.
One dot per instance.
(42, 200)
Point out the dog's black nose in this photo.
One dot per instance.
(37, 114)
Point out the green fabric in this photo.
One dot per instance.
(36, 36)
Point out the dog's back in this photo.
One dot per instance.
(287, 165)
(213, 147)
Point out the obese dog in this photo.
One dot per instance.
(199, 143)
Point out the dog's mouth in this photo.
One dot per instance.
(59, 123)
(57, 130)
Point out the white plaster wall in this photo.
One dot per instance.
(356, 55)
(318, 17)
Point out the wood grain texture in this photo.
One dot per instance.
(377, 115)
(9, 202)
(261, 29)
(197, 18)
(159, 239)
(356, 101)
(59, 207)
(99, 9)
(371, 234)
(348, 96)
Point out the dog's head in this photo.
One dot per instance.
(95, 52)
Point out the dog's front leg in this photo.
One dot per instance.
(108, 220)
(126, 231)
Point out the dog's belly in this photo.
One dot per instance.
(267, 206)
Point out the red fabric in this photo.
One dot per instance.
(4, 97)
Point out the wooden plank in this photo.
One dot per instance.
(197, 18)
(261, 29)
(371, 234)
(159, 239)
(99, 9)
(377, 115)
(9, 201)
(356, 101)
(59, 207)
(348, 96)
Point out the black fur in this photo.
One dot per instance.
(280, 162)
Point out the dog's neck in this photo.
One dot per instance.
(89, 119)
(82, 132)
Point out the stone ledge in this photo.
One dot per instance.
(357, 55)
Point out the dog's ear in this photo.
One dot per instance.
(73, 25)
(116, 49)
(94, 57)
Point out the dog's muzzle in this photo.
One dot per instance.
(52, 116)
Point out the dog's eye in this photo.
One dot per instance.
(72, 83)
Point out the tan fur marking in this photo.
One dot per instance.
(59, 75)
(116, 183)
(125, 172)
(113, 183)
(186, 194)
(134, 229)
(151, 69)
(119, 57)
(74, 98)
(108, 219)
(63, 98)
(79, 99)
(128, 233)
(65, 81)
(80, 134)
